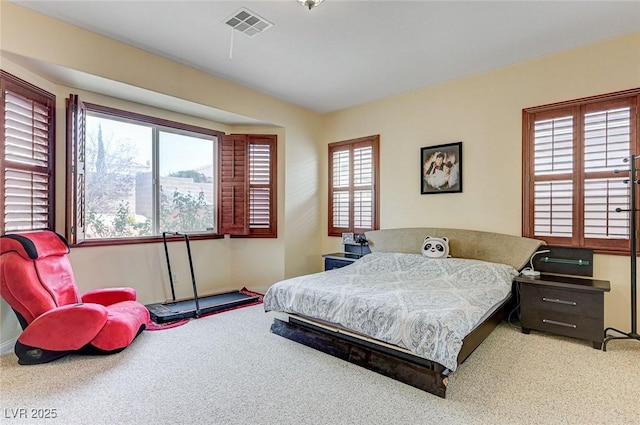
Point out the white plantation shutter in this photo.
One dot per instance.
(607, 138)
(27, 156)
(259, 214)
(352, 185)
(26, 200)
(26, 131)
(571, 190)
(362, 209)
(601, 198)
(553, 146)
(553, 208)
(341, 210)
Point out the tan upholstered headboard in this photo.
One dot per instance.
(474, 244)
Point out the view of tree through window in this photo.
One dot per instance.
(121, 199)
(186, 183)
(115, 152)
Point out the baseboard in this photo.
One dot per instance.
(7, 346)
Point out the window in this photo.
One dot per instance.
(248, 185)
(353, 185)
(132, 177)
(573, 171)
(27, 146)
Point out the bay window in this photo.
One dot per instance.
(132, 177)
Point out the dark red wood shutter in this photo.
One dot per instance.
(353, 185)
(234, 188)
(262, 185)
(571, 190)
(26, 146)
(76, 137)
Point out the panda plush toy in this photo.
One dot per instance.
(435, 247)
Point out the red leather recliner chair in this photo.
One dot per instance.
(37, 281)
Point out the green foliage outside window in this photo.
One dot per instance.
(185, 213)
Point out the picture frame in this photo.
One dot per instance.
(348, 239)
(441, 169)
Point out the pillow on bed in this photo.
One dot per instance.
(435, 247)
(474, 244)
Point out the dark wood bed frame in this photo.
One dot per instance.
(421, 373)
(398, 363)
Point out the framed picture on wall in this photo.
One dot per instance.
(441, 169)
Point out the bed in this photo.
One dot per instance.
(399, 313)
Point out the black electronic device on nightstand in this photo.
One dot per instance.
(564, 304)
(352, 252)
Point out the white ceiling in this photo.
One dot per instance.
(347, 52)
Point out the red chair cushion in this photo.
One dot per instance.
(36, 280)
(33, 287)
(123, 324)
(33, 245)
(67, 328)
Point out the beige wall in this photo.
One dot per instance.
(483, 111)
(28, 41)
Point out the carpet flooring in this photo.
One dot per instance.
(229, 369)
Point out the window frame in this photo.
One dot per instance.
(73, 217)
(350, 145)
(11, 83)
(577, 108)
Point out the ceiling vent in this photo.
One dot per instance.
(248, 22)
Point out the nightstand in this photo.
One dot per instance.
(352, 252)
(339, 259)
(563, 305)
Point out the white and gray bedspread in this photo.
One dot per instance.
(424, 305)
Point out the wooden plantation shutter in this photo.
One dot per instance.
(247, 191)
(353, 177)
(553, 196)
(340, 189)
(233, 192)
(607, 141)
(27, 134)
(262, 185)
(570, 153)
(76, 138)
(362, 187)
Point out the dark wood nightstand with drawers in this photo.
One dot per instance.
(339, 259)
(563, 305)
(351, 253)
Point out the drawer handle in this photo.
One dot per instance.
(553, 322)
(557, 301)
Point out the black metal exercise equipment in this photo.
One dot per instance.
(197, 306)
